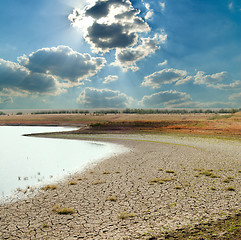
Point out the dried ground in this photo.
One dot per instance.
(161, 184)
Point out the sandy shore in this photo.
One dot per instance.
(162, 183)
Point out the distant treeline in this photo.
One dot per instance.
(177, 111)
(62, 112)
(134, 111)
(139, 111)
(101, 112)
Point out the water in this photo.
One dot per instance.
(31, 161)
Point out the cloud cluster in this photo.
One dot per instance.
(209, 80)
(47, 71)
(165, 99)
(236, 97)
(63, 62)
(115, 24)
(216, 81)
(110, 78)
(103, 98)
(15, 78)
(166, 76)
(111, 24)
(128, 57)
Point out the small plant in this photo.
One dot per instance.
(125, 215)
(226, 180)
(213, 188)
(112, 199)
(45, 225)
(105, 172)
(178, 187)
(63, 211)
(117, 172)
(79, 179)
(161, 180)
(160, 169)
(230, 189)
(72, 182)
(208, 173)
(98, 182)
(49, 187)
(170, 171)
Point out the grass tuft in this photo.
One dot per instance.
(63, 211)
(125, 215)
(98, 182)
(112, 199)
(72, 182)
(230, 189)
(49, 187)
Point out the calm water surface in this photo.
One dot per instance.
(31, 161)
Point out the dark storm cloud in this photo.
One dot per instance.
(17, 78)
(103, 98)
(102, 8)
(112, 24)
(105, 37)
(63, 62)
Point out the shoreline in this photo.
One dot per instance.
(153, 188)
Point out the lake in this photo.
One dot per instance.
(31, 161)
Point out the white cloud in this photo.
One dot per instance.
(216, 81)
(236, 97)
(162, 63)
(165, 99)
(63, 62)
(232, 86)
(201, 78)
(147, 5)
(165, 76)
(110, 78)
(127, 58)
(5, 99)
(103, 98)
(230, 5)
(163, 6)
(149, 14)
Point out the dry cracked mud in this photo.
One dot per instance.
(162, 183)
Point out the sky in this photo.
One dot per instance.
(82, 54)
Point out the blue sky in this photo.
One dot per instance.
(120, 53)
